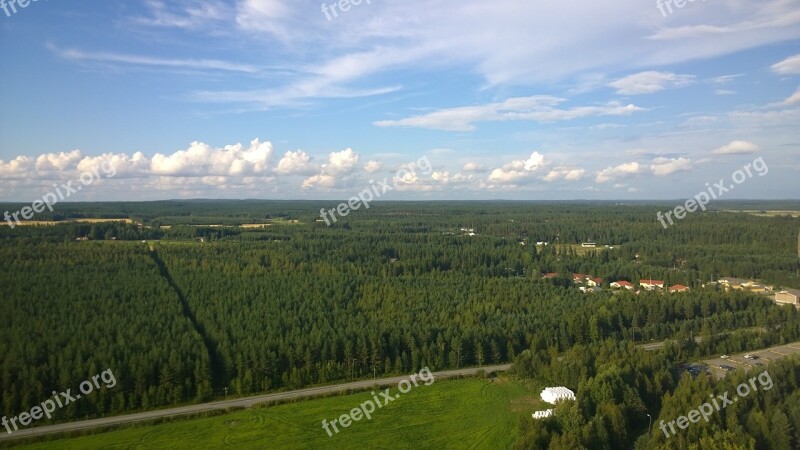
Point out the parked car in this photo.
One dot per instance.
(724, 356)
(751, 357)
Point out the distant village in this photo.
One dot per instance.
(589, 284)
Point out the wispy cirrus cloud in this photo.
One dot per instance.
(138, 60)
(191, 15)
(540, 108)
(789, 66)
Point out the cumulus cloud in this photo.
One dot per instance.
(58, 161)
(565, 174)
(789, 66)
(518, 170)
(125, 166)
(473, 167)
(444, 178)
(319, 180)
(667, 166)
(539, 108)
(650, 82)
(202, 160)
(621, 171)
(295, 163)
(18, 168)
(339, 164)
(342, 162)
(372, 166)
(736, 148)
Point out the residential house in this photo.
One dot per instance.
(679, 288)
(594, 282)
(622, 284)
(590, 290)
(580, 277)
(733, 283)
(651, 284)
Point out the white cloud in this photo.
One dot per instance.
(201, 160)
(340, 164)
(538, 108)
(650, 82)
(565, 174)
(473, 167)
(372, 166)
(295, 163)
(58, 161)
(794, 99)
(191, 15)
(789, 66)
(518, 170)
(667, 166)
(332, 60)
(20, 167)
(139, 60)
(736, 148)
(319, 180)
(621, 171)
(725, 79)
(123, 165)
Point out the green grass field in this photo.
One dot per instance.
(458, 414)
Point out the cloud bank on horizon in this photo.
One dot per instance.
(507, 99)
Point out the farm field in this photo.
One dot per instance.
(453, 414)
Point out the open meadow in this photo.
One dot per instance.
(452, 414)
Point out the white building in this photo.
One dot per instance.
(556, 394)
(538, 415)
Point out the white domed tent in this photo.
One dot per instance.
(556, 394)
(542, 414)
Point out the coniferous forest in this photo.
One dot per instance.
(187, 304)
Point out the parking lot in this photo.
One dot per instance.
(763, 358)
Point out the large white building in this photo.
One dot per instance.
(553, 395)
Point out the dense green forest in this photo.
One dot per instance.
(206, 307)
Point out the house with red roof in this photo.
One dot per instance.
(580, 277)
(594, 282)
(679, 288)
(651, 284)
(622, 284)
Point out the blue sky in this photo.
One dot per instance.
(507, 99)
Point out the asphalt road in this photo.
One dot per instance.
(237, 403)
